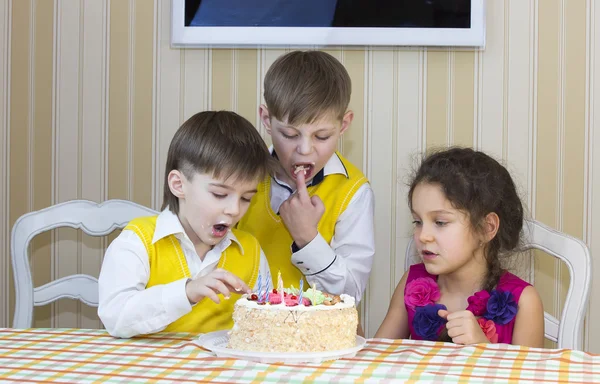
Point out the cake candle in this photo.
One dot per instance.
(269, 283)
(280, 287)
(300, 293)
(259, 287)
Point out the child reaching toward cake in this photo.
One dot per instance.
(467, 217)
(183, 269)
(314, 216)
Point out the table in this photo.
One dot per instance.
(85, 355)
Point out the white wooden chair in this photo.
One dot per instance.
(568, 331)
(92, 218)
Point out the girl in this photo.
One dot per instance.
(467, 215)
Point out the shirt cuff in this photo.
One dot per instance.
(175, 301)
(314, 258)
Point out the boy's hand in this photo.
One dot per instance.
(463, 327)
(218, 281)
(301, 213)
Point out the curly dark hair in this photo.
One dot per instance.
(477, 184)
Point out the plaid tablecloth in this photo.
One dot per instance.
(83, 355)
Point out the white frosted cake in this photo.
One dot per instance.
(321, 322)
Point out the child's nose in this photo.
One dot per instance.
(233, 208)
(425, 235)
(305, 147)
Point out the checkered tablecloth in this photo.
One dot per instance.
(83, 355)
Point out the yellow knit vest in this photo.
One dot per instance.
(336, 191)
(168, 264)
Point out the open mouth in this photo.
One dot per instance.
(428, 254)
(306, 168)
(220, 230)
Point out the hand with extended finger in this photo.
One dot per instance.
(463, 327)
(301, 213)
(218, 281)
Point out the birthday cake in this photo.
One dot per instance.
(293, 321)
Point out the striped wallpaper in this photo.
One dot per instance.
(91, 93)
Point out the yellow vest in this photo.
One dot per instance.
(336, 191)
(168, 264)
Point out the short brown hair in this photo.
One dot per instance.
(303, 86)
(223, 144)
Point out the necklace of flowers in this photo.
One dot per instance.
(491, 308)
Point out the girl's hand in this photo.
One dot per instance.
(218, 281)
(463, 327)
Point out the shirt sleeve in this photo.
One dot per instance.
(344, 265)
(126, 307)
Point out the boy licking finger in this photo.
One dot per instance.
(314, 217)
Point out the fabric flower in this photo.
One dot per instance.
(427, 323)
(420, 292)
(489, 329)
(478, 302)
(501, 307)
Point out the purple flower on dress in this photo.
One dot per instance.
(427, 323)
(501, 307)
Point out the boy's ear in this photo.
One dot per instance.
(175, 181)
(491, 226)
(265, 118)
(346, 120)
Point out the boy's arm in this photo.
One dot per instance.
(345, 265)
(126, 307)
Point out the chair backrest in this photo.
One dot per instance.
(92, 218)
(568, 331)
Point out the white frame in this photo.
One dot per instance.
(202, 37)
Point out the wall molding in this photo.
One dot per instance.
(593, 229)
(5, 66)
(560, 140)
(450, 97)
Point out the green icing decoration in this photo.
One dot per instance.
(291, 290)
(316, 299)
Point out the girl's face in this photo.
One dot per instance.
(443, 235)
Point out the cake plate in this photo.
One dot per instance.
(216, 342)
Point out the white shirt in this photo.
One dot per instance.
(344, 265)
(127, 308)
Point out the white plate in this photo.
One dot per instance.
(216, 342)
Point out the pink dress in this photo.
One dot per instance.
(500, 307)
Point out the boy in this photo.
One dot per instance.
(314, 218)
(172, 271)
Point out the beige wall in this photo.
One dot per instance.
(91, 93)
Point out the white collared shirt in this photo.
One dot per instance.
(344, 265)
(127, 308)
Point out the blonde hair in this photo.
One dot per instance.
(223, 144)
(303, 86)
